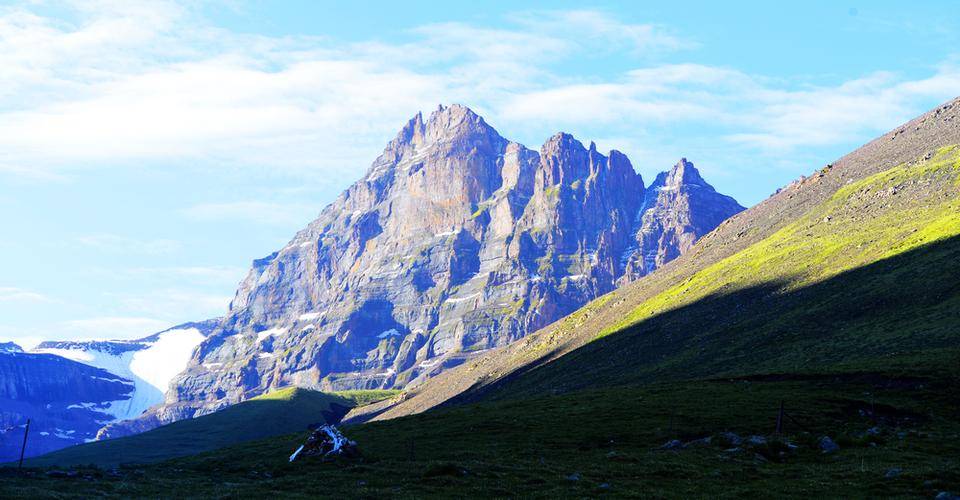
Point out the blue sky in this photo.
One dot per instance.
(150, 150)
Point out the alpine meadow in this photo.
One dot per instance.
(734, 272)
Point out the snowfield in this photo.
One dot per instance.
(150, 369)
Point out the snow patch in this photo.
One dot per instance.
(389, 333)
(463, 299)
(150, 370)
(261, 336)
(310, 316)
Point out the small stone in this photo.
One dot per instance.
(673, 444)
(732, 438)
(874, 431)
(757, 440)
(605, 486)
(827, 445)
(701, 442)
(946, 495)
(574, 477)
(892, 473)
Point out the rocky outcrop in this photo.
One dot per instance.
(455, 241)
(10, 347)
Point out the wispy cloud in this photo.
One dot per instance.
(138, 80)
(124, 244)
(14, 294)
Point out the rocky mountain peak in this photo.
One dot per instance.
(683, 173)
(456, 241)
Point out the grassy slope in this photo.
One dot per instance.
(848, 312)
(915, 139)
(610, 437)
(852, 321)
(866, 277)
(280, 412)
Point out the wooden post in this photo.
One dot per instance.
(780, 419)
(24, 447)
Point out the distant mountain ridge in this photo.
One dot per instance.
(150, 362)
(66, 401)
(454, 242)
(71, 390)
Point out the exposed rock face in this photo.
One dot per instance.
(455, 241)
(679, 207)
(10, 347)
(66, 401)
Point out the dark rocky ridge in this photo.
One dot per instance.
(10, 347)
(454, 242)
(64, 400)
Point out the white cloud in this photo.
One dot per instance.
(123, 244)
(152, 80)
(14, 294)
(607, 31)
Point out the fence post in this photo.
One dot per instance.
(780, 419)
(24, 447)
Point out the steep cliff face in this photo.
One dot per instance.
(679, 208)
(66, 401)
(455, 241)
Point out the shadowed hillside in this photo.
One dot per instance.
(897, 412)
(280, 412)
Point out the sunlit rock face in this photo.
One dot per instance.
(455, 241)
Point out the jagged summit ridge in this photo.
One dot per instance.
(456, 241)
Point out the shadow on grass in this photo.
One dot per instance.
(900, 311)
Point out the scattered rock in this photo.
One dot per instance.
(828, 445)
(574, 477)
(757, 440)
(673, 444)
(892, 473)
(605, 486)
(707, 441)
(874, 431)
(731, 438)
(946, 495)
